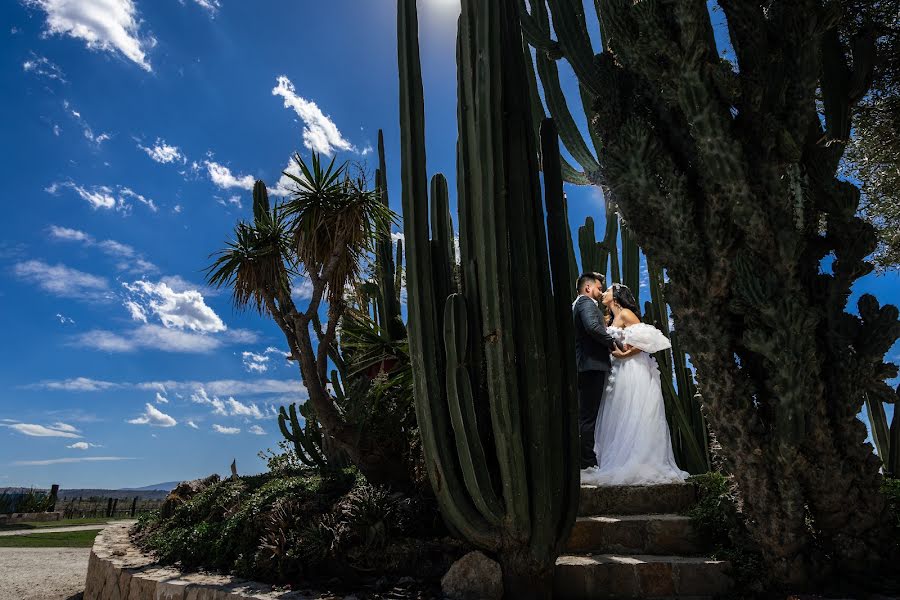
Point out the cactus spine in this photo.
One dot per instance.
(514, 491)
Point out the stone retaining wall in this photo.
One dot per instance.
(12, 519)
(118, 570)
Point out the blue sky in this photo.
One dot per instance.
(133, 131)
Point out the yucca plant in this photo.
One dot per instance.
(321, 231)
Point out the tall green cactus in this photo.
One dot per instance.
(886, 436)
(478, 350)
(310, 445)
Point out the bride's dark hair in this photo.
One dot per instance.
(624, 298)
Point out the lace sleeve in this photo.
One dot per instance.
(646, 337)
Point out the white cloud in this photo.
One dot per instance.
(164, 153)
(43, 67)
(69, 235)
(285, 185)
(302, 290)
(108, 25)
(83, 446)
(77, 384)
(232, 200)
(86, 128)
(192, 425)
(150, 336)
(153, 417)
(129, 259)
(33, 430)
(160, 399)
(63, 281)
(64, 319)
(257, 430)
(226, 430)
(222, 177)
(128, 193)
(238, 409)
(178, 310)
(255, 363)
(201, 397)
(104, 197)
(136, 311)
(64, 427)
(61, 461)
(319, 132)
(233, 387)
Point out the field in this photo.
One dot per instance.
(61, 523)
(65, 539)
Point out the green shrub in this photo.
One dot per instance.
(721, 528)
(25, 502)
(288, 529)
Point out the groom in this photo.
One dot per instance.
(592, 346)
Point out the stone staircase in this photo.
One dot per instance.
(635, 542)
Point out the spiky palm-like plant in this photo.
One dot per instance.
(320, 232)
(727, 176)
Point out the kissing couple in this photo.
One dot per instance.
(622, 417)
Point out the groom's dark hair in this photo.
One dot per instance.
(590, 276)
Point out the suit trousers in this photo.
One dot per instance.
(590, 392)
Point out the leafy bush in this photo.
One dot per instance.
(720, 526)
(26, 502)
(301, 528)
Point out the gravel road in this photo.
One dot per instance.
(42, 573)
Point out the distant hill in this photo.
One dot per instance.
(167, 486)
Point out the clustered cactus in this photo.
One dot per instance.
(726, 174)
(493, 373)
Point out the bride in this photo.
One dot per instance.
(632, 441)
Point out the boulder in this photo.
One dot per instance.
(183, 492)
(473, 577)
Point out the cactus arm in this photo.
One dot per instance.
(879, 424)
(570, 173)
(425, 355)
(398, 275)
(462, 412)
(568, 21)
(559, 235)
(493, 229)
(570, 247)
(610, 241)
(559, 108)
(893, 462)
(631, 263)
(535, 33)
(443, 251)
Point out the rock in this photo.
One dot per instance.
(183, 492)
(473, 577)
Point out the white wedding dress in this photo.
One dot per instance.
(631, 438)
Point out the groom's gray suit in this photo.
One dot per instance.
(592, 346)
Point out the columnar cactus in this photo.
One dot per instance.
(510, 487)
(727, 174)
(306, 438)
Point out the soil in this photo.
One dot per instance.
(43, 573)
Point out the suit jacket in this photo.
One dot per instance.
(592, 341)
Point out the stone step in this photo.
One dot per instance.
(638, 576)
(633, 534)
(636, 499)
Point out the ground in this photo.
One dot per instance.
(32, 570)
(24, 573)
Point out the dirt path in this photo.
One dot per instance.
(42, 573)
(96, 526)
